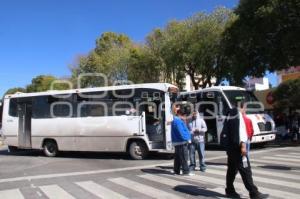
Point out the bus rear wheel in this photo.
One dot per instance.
(50, 148)
(12, 148)
(138, 150)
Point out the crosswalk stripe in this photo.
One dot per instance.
(294, 153)
(55, 192)
(11, 194)
(261, 179)
(263, 172)
(288, 156)
(144, 189)
(282, 163)
(163, 180)
(281, 159)
(175, 183)
(221, 181)
(99, 190)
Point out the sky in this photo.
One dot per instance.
(45, 36)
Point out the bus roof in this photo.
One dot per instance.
(215, 88)
(160, 86)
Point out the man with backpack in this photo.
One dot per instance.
(234, 138)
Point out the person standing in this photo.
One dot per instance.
(198, 127)
(181, 137)
(237, 156)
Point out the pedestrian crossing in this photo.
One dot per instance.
(278, 183)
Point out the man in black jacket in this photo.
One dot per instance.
(236, 152)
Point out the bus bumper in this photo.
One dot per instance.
(264, 137)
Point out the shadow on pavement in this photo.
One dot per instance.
(197, 191)
(216, 163)
(157, 171)
(276, 167)
(84, 155)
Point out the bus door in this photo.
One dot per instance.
(208, 108)
(221, 113)
(24, 131)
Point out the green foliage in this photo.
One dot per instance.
(264, 37)
(192, 47)
(287, 94)
(144, 67)
(14, 90)
(44, 83)
(111, 57)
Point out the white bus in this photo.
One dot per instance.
(214, 103)
(127, 118)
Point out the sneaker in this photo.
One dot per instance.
(259, 196)
(188, 174)
(233, 194)
(175, 173)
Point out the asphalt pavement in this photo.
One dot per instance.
(28, 174)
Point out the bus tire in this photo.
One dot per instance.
(138, 150)
(50, 148)
(12, 149)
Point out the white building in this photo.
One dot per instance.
(257, 84)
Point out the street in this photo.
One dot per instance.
(28, 174)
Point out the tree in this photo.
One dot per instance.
(193, 47)
(111, 57)
(44, 83)
(144, 67)
(14, 90)
(287, 95)
(264, 37)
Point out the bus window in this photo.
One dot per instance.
(40, 107)
(62, 106)
(236, 96)
(13, 107)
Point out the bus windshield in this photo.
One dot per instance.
(236, 96)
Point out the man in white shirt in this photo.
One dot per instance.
(197, 127)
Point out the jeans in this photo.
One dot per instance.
(181, 159)
(200, 148)
(248, 143)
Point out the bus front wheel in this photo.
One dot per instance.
(138, 150)
(50, 148)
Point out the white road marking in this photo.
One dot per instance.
(281, 183)
(222, 181)
(175, 183)
(57, 175)
(99, 190)
(144, 189)
(288, 156)
(263, 172)
(11, 194)
(295, 153)
(281, 159)
(55, 192)
(281, 163)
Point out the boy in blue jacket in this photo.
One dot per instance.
(181, 137)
